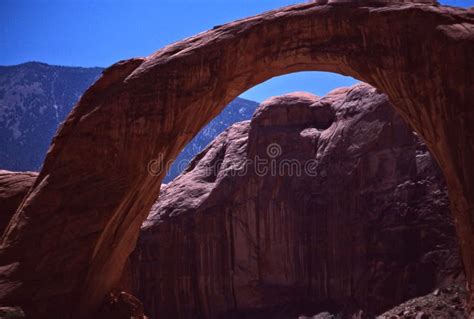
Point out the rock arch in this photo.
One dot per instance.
(66, 245)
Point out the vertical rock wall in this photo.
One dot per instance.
(316, 204)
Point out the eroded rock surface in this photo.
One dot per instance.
(95, 188)
(448, 302)
(251, 229)
(13, 188)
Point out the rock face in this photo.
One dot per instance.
(13, 188)
(99, 179)
(316, 204)
(237, 110)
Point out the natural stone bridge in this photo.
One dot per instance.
(66, 246)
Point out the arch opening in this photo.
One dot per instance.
(243, 107)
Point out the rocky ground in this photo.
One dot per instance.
(441, 304)
(11, 313)
(444, 303)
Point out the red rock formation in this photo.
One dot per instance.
(13, 188)
(94, 190)
(366, 228)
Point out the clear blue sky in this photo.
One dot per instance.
(101, 32)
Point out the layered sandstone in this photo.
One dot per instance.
(95, 188)
(13, 188)
(316, 204)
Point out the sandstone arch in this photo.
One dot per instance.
(67, 243)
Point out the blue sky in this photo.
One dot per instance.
(101, 32)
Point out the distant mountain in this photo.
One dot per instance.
(36, 97)
(238, 110)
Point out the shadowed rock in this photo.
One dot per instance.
(251, 231)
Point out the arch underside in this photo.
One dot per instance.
(65, 248)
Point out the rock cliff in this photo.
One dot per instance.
(315, 204)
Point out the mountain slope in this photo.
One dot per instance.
(34, 99)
